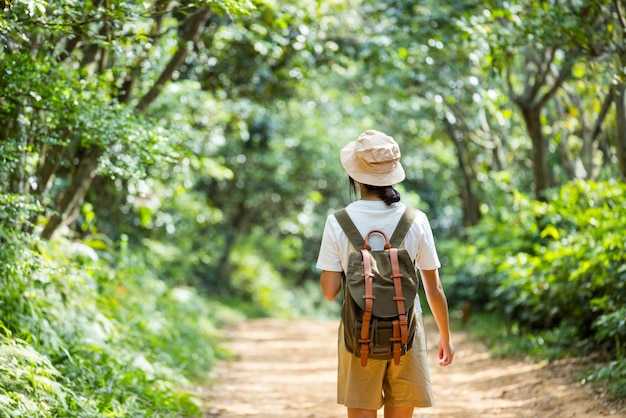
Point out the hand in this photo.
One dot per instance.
(446, 353)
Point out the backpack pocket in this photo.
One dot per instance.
(383, 284)
(383, 338)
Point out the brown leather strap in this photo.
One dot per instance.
(397, 348)
(369, 306)
(367, 245)
(398, 297)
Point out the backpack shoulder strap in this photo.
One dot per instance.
(353, 234)
(403, 227)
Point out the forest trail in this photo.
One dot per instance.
(287, 369)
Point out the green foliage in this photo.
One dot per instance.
(266, 54)
(89, 333)
(269, 291)
(29, 382)
(57, 109)
(556, 266)
(68, 75)
(615, 374)
(506, 340)
(194, 145)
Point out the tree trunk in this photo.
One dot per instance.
(50, 159)
(76, 38)
(571, 165)
(541, 170)
(590, 145)
(620, 134)
(543, 80)
(240, 226)
(469, 200)
(74, 194)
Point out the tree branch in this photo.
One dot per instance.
(604, 110)
(563, 75)
(620, 13)
(191, 33)
(542, 75)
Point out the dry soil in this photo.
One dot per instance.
(287, 369)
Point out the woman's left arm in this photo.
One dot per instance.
(439, 307)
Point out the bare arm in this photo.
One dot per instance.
(439, 306)
(331, 283)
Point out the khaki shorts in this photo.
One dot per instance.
(382, 382)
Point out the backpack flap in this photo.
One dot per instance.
(384, 305)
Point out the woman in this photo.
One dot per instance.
(373, 164)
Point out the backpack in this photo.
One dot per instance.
(378, 311)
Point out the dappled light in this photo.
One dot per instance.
(167, 167)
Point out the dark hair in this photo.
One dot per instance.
(387, 193)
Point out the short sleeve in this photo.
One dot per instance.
(328, 258)
(426, 258)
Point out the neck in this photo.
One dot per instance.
(367, 194)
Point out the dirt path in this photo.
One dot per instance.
(287, 369)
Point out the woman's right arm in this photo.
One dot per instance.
(331, 283)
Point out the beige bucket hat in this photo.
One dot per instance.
(373, 159)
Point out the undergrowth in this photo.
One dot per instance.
(87, 331)
(552, 273)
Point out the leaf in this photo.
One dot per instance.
(550, 231)
(507, 113)
(578, 70)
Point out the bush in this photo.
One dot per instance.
(548, 266)
(86, 333)
(555, 272)
(614, 373)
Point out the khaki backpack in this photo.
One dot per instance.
(378, 309)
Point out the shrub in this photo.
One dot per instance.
(557, 265)
(86, 333)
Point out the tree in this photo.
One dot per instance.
(419, 52)
(538, 65)
(616, 46)
(75, 82)
(234, 104)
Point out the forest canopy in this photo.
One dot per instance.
(188, 151)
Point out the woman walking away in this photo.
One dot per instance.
(373, 165)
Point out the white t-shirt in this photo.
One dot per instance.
(375, 214)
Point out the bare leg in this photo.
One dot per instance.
(361, 413)
(398, 411)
